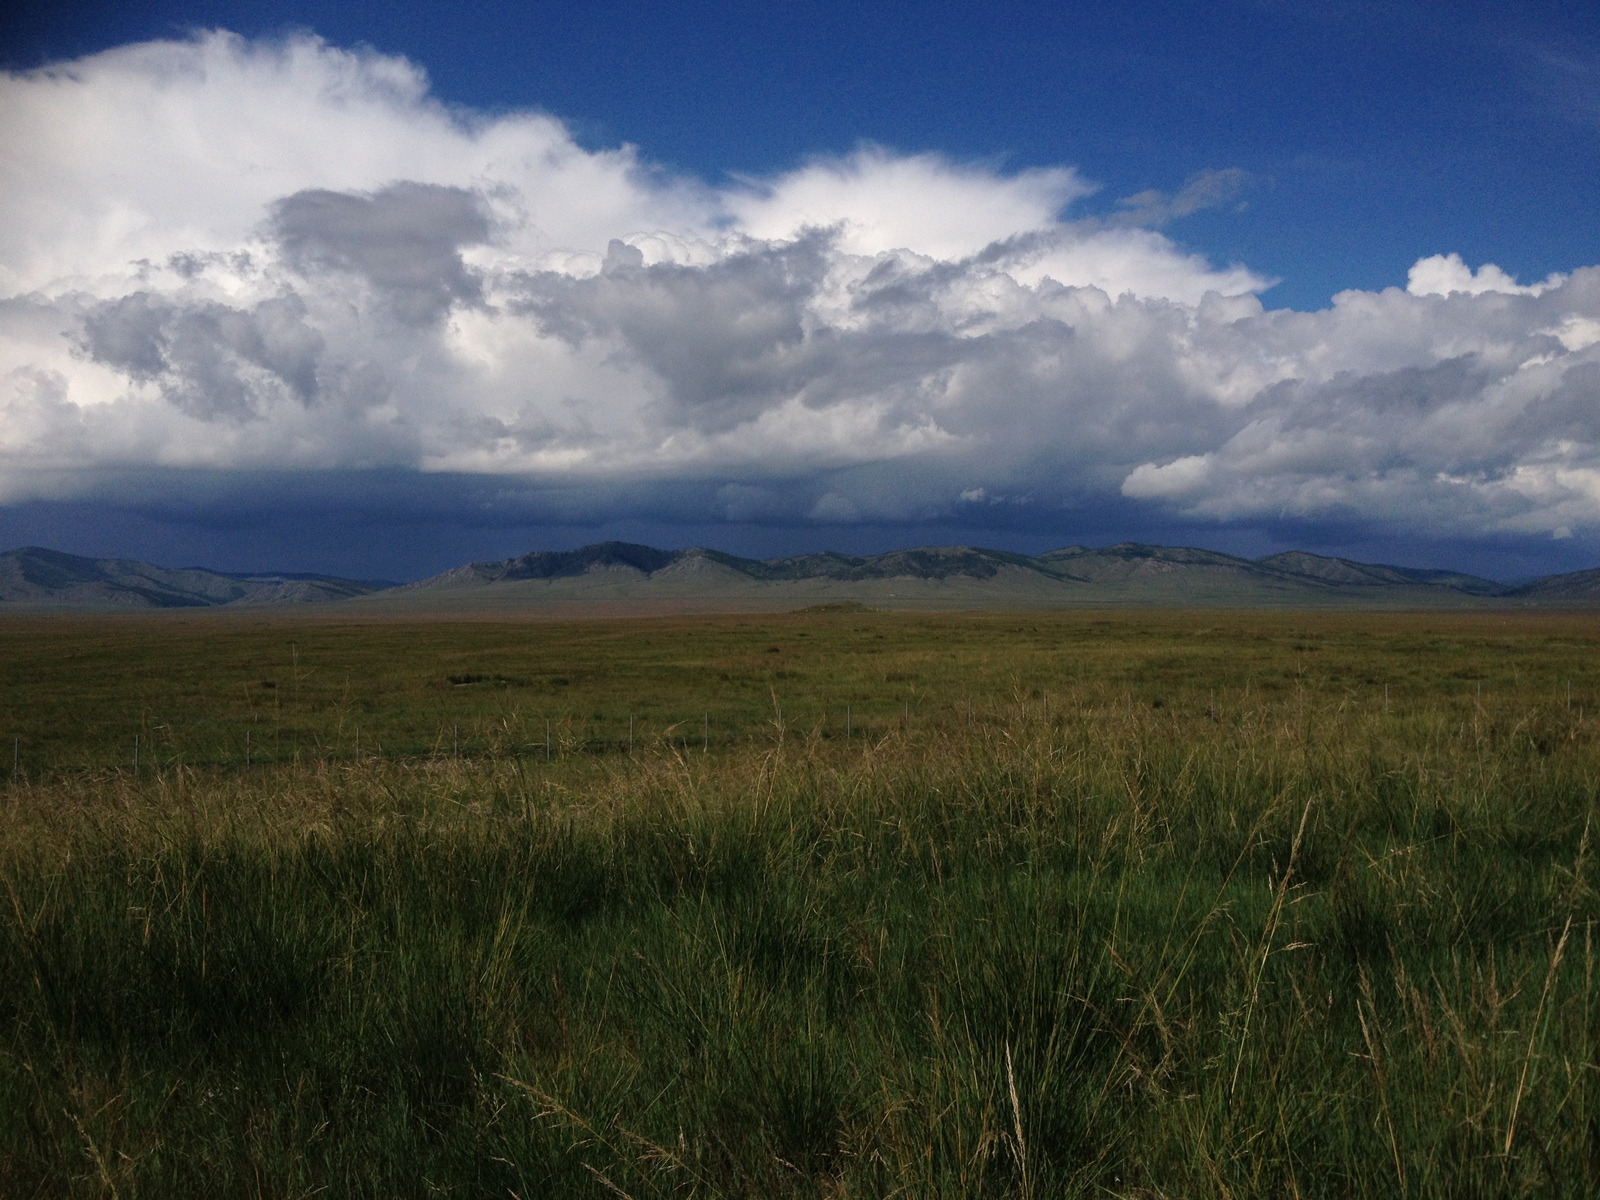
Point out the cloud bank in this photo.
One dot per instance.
(229, 258)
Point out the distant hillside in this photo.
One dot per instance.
(37, 578)
(618, 576)
(1580, 589)
(1343, 571)
(622, 577)
(1294, 569)
(556, 564)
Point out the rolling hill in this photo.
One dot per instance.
(36, 578)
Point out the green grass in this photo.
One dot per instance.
(194, 689)
(1130, 905)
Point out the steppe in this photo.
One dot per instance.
(826, 903)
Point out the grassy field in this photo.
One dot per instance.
(1127, 904)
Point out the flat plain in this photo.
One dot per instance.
(833, 903)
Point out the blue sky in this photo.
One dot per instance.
(1276, 154)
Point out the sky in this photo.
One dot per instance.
(376, 290)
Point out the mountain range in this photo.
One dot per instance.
(623, 577)
(614, 575)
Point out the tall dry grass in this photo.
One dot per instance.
(1070, 944)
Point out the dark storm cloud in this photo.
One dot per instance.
(210, 360)
(727, 338)
(404, 240)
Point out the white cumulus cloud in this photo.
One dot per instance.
(219, 255)
(1444, 274)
